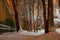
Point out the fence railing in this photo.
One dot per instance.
(5, 28)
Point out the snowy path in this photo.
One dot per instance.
(18, 36)
(58, 30)
(39, 32)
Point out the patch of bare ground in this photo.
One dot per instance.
(17, 36)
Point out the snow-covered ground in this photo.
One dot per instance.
(57, 20)
(58, 30)
(39, 32)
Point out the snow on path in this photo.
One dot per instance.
(58, 30)
(39, 32)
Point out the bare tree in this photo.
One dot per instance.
(59, 3)
(50, 12)
(32, 13)
(46, 24)
(16, 15)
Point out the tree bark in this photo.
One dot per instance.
(32, 13)
(16, 15)
(50, 12)
(46, 24)
(59, 3)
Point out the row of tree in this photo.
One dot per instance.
(48, 21)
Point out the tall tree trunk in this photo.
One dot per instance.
(35, 14)
(25, 12)
(59, 3)
(46, 24)
(28, 14)
(50, 12)
(32, 13)
(16, 15)
(30, 17)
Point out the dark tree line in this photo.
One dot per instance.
(47, 21)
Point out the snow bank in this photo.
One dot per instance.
(58, 30)
(39, 32)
